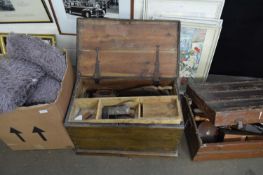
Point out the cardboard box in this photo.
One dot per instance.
(39, 126)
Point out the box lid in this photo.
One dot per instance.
(128, 49)
(229, 103)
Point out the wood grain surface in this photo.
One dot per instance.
(127, 48)
(220, 150)
(126, 138)
(228, 103)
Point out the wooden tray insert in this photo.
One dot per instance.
(154, 110)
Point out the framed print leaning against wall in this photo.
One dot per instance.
(198, 42)
(197, 9)
(24, 11)
(47, 38)
(200, 29)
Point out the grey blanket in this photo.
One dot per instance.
(31, 74)
(34, 50)
(45, 92)
(16, 79)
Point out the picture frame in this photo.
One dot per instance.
(64, 25)
(66, 13)
(1, 47)
(198, 41)
(24, 11)
(200, 30)
(48, 38)
(197, 9)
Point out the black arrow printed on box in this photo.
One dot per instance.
(40, 132)
(17, 133)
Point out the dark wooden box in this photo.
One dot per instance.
(224, 104)
(119, 55)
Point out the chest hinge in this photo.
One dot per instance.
(156, 73)
(96, 75)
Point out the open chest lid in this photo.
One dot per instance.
(125, 49)
(229, 103)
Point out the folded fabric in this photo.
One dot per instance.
(34, 50)
(22, 69)
(16, 79)
(46, 91)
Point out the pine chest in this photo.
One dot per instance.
(125, 100)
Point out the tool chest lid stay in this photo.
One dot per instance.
(128, 49)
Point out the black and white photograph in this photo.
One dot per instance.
(6, 5)
(66, 12)
(92, 8)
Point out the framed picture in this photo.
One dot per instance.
(50, 39)
(198, 9)
(198, 41)
(2, 44)
(1, 47)
(24, 11)
(66, 12)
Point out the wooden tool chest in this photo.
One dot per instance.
(224, 120)
(125, 99)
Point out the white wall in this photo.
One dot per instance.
(124, 9)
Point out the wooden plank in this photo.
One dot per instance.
(117, 84)
(225, 105)
(224, 118)
(229, 86)
(191, 134)
(128, 48)
(229, 155)
(131, 64)
(128, 153)
(161, 120)
(229, 137)
(125, 139)
(218, 96)
(231, 146)
(126, 34)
